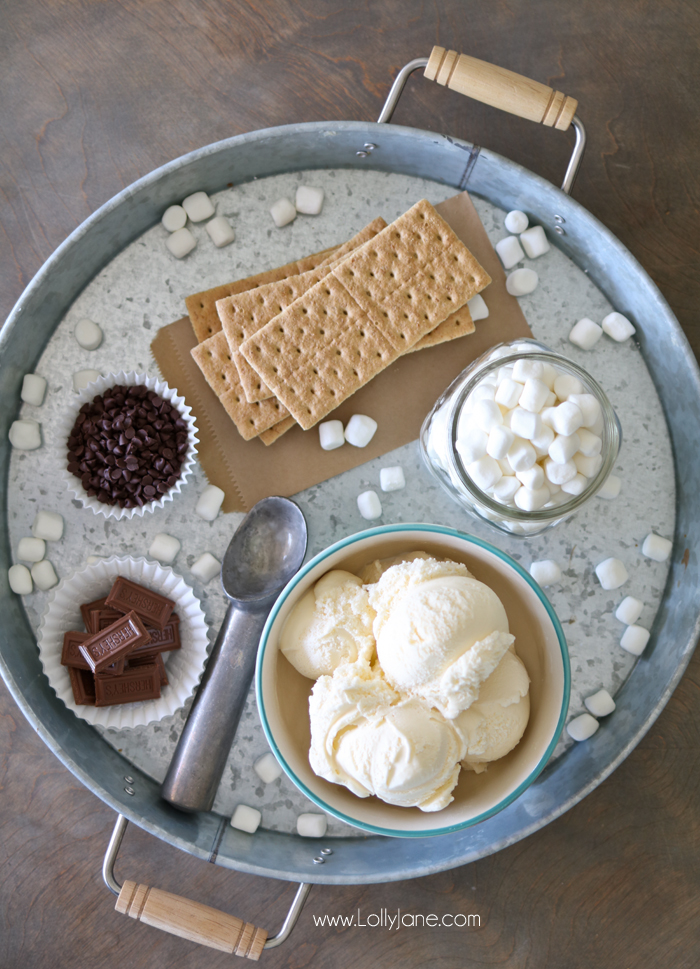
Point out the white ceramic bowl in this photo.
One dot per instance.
(283, 693)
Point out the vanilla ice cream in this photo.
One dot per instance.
(330, 625)
(439, 631)
(365, 737)
(496, 720)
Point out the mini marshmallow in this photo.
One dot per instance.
(485, 473)
(209, 503)
(180, 243)
(589, 444)
(174, 218)
(20, 579)
(532, 478)
(534, 242)
(505, 488)
(525, 424)
(82, 378)
(618, 327)
(483, 391)
(567, 418)
(246, 819)
(360, 430)
(33, 389)
(47, 525)
(309, 201)
(528, 369)
(611, 488)
(545, 572)
(542, 441)
(550, 400)
(547, 415)
(25, 435)
(206, 567)
(87, 334)
(589, 466)
(478, 310)
(31, 549)
(312, 825)
(563, 448)
(220, 231)
(164, 548)
(509, 251)
(369, 505)
(534, 395)
(589, 407)
(487, 415)
(516, 221)
(585, 334)
(611, 574)
(634, 639)
(330, 435)
(582, 727)
(600, 704)
(559, 474)
(392, 479)
(500, 441)
(472, 445)
(198, 207)
(508, 393)
(629, 610)
(576, 486)
(598, 425)
(267, 768)
(44, 575)
(283, 212)
(549, 375)
(521, 455)
(567, 384)
(521, 282)
(657, 548)
(528, 499)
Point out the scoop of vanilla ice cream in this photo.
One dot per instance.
(364, 737)
(331, 624)
(440, 632)
(373, 572)
(496, 721)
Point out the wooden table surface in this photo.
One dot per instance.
(97, 94)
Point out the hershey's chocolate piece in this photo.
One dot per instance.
(153, 608)
(83, 683)
(87, 608)
(162, 640)
(147, 661)
(103, 617)
(113, 643)
(133, 685)
(71, 655)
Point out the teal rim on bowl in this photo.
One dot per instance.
(489, 558)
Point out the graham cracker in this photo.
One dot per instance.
(276, 431)
(373, 306)
(243, 314)
(202, 306)
(456, 325)
(213, 358)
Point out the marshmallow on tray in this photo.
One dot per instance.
(516, 221)
(206, 567)
(657, 548)
(600, 704)
(309, 201)
(629, 610)
(31, 549)
(312, 825)
(521, 282)
(618, 327)
(534, 242)
(246, 819)
(20, 579)
(509, 251)
(198, 207)
(267, 768)
(164, 548)
(545, 572)
(283, 212)
(582, 727)
(180, 243)
(44, 575)
(610, 488)
(88, 335)
(33, 389)
(330, 435)
(369, 505)
(25, 435)
(611, 574)
(360, 430)
(209, 503)
(174, 218)
(634, 639)
(392, 479)
(220, 231)
(585, 334)
(478, 310)
(81, 379)
(48, 525)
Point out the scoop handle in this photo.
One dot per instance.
(501, 88)
(200, 756)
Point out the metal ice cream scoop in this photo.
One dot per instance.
(266, 550)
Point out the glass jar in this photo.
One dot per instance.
(440, 443)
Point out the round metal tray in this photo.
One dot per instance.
(670, 362)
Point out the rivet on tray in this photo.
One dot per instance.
(130, 790)
(326, 851)
(129, 780)
(361, 154)
(369, 146)
(319, 860)
(559, 231)
(559, 218)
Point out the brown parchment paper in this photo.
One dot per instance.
(399, 398)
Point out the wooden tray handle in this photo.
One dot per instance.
(501, 88)
(190, 920)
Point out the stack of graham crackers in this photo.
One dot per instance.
(288, 346)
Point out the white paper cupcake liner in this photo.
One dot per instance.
(184, 666)
(98, 386)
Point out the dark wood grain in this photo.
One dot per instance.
(97, 94)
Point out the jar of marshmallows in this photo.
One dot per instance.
(522, 438)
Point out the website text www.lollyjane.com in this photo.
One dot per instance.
(393, 921)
